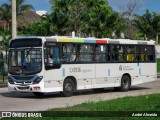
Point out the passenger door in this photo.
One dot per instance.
(53, 74)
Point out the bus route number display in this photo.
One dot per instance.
(26, 43)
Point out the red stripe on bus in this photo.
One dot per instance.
(101, 41)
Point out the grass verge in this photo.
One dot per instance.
(140, 103)
(120, 109)
(158, 65)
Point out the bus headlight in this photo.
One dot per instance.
(10, 80)
(37, 80)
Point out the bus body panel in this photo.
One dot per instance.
(100, 75)
(83, 73)
(53, 80)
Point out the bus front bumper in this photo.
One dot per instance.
(24, 88)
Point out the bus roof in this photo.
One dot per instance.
(69, 39)
(99, 40)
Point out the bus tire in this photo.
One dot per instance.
(38, 94)
(68, 87)
(125, 83)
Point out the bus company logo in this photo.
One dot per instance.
(125, 68)
(75, 69)
(6, 114)
(21, 114)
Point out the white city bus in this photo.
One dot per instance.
(78, 63)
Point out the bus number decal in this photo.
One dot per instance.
(75, 69)
(125, 68)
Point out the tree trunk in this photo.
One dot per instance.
(144, 36)
(92, 33)
(6, 55)
(157, 37)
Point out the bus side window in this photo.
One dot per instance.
(115, 53)
(69, 53)
(52, 57)
(130, 53)
(56, 59)
(121, 57)
(147, 53)
(100, 53)
(86, 53)
(130, 57)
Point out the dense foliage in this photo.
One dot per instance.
(148, 24)
(86, 18)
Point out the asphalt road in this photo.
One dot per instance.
(29, 102)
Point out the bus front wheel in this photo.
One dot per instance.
(68, 87)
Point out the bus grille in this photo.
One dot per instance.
(23, 78)
(23, 88)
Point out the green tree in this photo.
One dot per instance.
(6, 8)
(96, 15)
(61, 10)
(50, 24)
(6, 36)
(87, 18)
(114, 24)
(156, 25)
(22, 7)
(5, 14)
(148, 24)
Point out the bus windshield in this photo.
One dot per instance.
(25, 61)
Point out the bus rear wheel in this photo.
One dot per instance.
(125, 83)
(68, 87)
